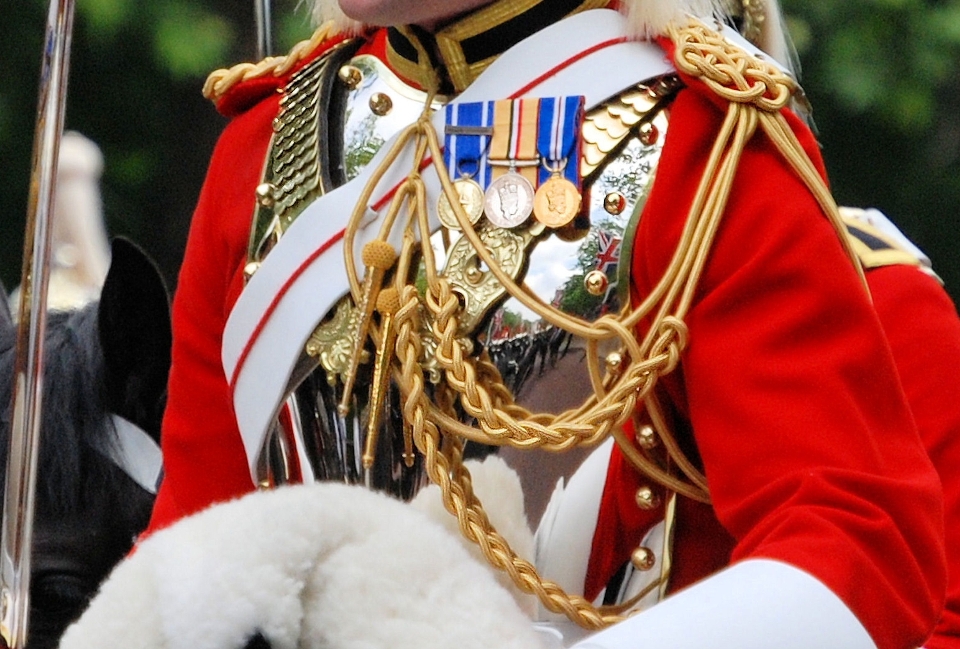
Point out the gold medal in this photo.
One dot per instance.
(471, 199)
(556, 202)
(509, 200)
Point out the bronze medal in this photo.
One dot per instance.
(556, 202)
(509, 200)
(471, 199)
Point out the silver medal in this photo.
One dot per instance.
(509, 200)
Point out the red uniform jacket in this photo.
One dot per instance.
(923, 328)
(787, 387)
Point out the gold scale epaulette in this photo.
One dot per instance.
(219, 82)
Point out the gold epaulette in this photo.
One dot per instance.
(219, 82)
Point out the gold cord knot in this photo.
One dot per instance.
(731, 72)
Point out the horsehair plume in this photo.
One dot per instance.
(647, 17)
(330, 11)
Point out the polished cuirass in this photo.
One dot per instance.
(335, 115)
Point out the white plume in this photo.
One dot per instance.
(647, 17)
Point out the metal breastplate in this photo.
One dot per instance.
(336, 114)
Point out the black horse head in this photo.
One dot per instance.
(109, 359)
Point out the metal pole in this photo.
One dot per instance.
(18, 504)
(264, 23)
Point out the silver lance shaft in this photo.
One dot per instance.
(18, 502)
(264, 24)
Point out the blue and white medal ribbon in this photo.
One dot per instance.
(558, 198)
(466, 136)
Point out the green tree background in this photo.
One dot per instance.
(883, 77)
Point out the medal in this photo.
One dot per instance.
(471, 200)
(467, 131)
(557, 201)
(509, 200)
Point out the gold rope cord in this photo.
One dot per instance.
(756, 92)
(219, 82)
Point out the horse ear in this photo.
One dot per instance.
(135, 333)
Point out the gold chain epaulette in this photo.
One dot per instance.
(293, 173)
(219, 82)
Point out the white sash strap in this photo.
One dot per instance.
(137, 454)
(303, 276)
(755, 604)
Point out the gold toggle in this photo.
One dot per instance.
(378, 256)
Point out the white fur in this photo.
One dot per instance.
(310, 567)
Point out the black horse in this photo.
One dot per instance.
(105, 372)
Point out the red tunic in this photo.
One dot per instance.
(788, 391)
(787, 384)
(922, 326)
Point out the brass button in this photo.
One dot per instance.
(266, 194)
(647, 498)
(250, 269)
(647, 437)
(643, 559)
(614, 361)
(380, 103)
(614, 203)
(648, 134)
(596, 282)
(350, 76)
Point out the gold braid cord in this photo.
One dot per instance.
(219, 82)
(756, 92)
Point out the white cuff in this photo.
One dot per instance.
(756, 604)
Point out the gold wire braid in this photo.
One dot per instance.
(756, 92)
(219, 82)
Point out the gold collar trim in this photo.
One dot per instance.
(460, 51)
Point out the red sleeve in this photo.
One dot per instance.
(789, 387)
(203, 455)
(204, 461)
(922, 326)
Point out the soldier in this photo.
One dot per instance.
(771, 479)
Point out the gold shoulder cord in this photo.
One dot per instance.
(429, 319)
(219, 82)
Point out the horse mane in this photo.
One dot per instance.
(109, 357)
(72, 467)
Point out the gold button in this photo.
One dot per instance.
(266, 194)
(350, 76)
(647, 498)
(380, 103)
(596, 282)
(647, 437)
(614, 361)
(250, 269)
(648, 134)
(643, 559)
(614, 203)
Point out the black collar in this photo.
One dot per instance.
(456, 54)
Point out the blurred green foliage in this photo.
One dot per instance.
(883, 77)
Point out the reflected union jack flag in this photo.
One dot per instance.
(608, 251)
